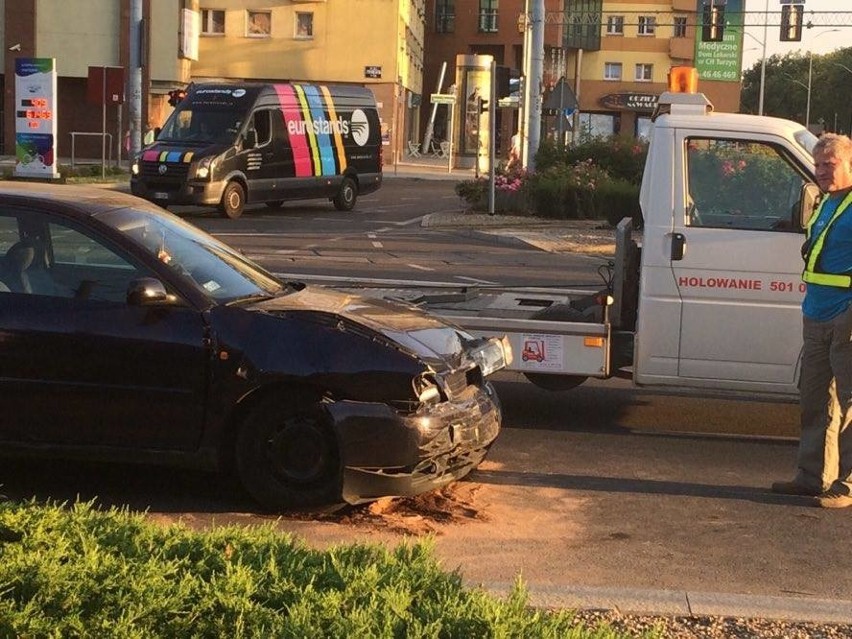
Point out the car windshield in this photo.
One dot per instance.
(217, 270)
(201, 124)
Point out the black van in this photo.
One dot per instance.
(227, 145)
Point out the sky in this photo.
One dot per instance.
(819, 39)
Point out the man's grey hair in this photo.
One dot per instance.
(839, 146)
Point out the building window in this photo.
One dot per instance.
(644, 72)
(680, 27)
(647, 25)
(445, 16)
(258, 24)
(212, 22)
(615, 25)
(488, 16)
(612, 71)
(304, 25)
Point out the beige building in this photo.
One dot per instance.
(79, 35)
(377, 43)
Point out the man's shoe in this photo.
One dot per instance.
(794, 488)
(832, 499)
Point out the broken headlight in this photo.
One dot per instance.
(491, 354)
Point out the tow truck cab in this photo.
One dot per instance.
(724, 198)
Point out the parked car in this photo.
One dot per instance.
(128, 334)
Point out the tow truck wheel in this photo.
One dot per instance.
(233, 200)
(346, 196)
(558, 313)
(287, 456)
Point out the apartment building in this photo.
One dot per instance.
(80, 35)
(614, 54)
(375, 43)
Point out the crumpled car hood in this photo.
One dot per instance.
(425, 335)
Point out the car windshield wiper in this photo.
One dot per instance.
(254, 297)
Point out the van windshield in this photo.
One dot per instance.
(193, 124)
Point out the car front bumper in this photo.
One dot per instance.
(166, 193)
(386, 453)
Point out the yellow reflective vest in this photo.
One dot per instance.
(813, 274)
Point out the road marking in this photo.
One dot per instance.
(376, 244)
(413, 220)
(475, 280)
(422, 268)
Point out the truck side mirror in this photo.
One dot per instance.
(251, 139)
(808, 202)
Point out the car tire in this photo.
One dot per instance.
(274, 204)
(346, 196)
(557, 313)
(233, 200)
(287, 456)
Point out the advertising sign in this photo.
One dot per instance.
(35, 117)
(721, 61)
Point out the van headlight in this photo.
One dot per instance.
(491, 354)
(204, 168)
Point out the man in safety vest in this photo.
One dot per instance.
(825, 446)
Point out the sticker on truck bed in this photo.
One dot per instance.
(541, 352)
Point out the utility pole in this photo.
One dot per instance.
(534, 63)
(134, 77)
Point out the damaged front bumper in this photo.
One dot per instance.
(440, 444)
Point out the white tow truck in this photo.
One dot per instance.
(710, 300)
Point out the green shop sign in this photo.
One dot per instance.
(720, 61)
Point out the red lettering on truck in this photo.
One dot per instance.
(720, 282)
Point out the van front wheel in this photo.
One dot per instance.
(233, 200)
(346, 196)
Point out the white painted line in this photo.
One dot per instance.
(413, 220)
(378, 245)
(372, 236)
(475, 280)
(422, 268)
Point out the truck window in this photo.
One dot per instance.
(741, 185)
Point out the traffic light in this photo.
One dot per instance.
(176, 96)
(791, 22)
(713, 25)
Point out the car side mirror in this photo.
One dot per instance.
(251, 139)
(146, 291)
(807, 203)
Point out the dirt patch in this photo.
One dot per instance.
(429, 513)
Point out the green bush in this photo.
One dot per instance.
(567, 192)
(617, 199)
(620, 156)
(81, 572)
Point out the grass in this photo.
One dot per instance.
(79, 571)
(81, 174)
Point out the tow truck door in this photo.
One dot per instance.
(734, 264)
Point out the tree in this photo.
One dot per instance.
(786, 88)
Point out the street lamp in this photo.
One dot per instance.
(810, 77)
(762, 43)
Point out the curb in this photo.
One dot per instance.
(682, 603)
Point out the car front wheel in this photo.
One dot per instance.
(287, 456)
(233, 200)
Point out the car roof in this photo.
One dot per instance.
(78, 199)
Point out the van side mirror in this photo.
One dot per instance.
(807, 203)
(251, 139)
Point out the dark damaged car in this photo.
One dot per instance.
(128, 334)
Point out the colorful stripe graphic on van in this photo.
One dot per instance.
(316, 135)
(167, 156)
(298, 136)
(338, 138)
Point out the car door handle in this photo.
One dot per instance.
(678, 246)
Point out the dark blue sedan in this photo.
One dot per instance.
(127, 334)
